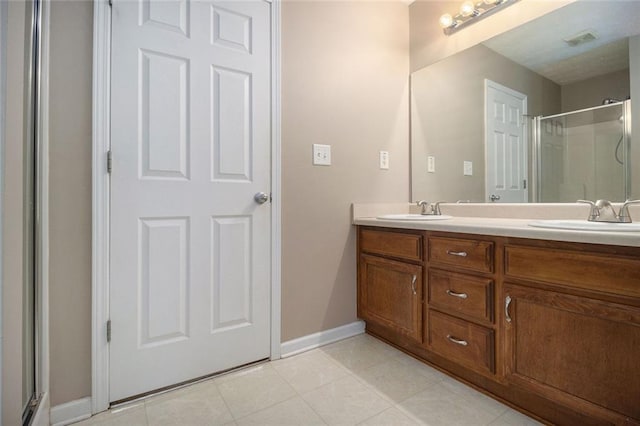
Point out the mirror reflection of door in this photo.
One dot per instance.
(505, 144)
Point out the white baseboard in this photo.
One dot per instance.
(71, 412)
(315, 340)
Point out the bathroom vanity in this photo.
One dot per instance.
(546, 321)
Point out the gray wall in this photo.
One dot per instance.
(70, 199)
(3, 66)
(589, 93)
(12, 224)
(345, 69)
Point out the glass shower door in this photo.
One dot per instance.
(583, 155)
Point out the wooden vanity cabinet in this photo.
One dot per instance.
(391, 295)
(459, 308)
(390, 281)
(552, 328)
(572, 327)
(579, 351)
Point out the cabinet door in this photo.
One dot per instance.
(390, 294)
(581, 352)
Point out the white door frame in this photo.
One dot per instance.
(101, 190)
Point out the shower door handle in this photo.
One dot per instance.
(494, 198)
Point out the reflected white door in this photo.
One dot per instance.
(190, 248)
(506, 144)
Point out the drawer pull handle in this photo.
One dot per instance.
(413, 284)
(458, 295)
(507, 303)
(457, 341)
(457, 253)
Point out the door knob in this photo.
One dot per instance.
(494, 198)
(261, 198)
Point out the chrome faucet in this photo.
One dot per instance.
(603, 211)
(433, 208)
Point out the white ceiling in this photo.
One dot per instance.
(539, 45)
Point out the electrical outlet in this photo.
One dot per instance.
(431, 164)
(468, 168)
(321, 155)
(384, 160)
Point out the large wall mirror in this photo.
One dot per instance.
(541, 113)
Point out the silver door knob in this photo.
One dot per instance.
(494, 198)
(261, 198)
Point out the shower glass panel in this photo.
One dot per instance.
(583, 154)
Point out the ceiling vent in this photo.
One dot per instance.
(581, 38)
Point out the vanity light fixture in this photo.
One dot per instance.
(471, 11)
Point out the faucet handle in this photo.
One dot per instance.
(423, 205)
(624, 215)
(594, 212)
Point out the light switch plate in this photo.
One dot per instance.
(468, 168)
(431, 164)
(384, 160)
(321, 155)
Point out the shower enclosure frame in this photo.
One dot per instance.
(36, 208)
(536, 157)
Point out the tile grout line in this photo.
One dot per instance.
(226, 404)
(299, 394)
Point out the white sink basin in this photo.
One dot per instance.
(585, 225)
(420, 217)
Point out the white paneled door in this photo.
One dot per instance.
(190, 139)
(506, 144)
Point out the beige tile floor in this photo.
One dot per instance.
(357, 381)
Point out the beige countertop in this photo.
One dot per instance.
(504, 227)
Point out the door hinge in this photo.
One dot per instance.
(108, 331)
(109, 161)
(524, 184)
(110, 2)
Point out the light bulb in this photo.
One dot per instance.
(446, 20)
(467, 8)
(490, 2)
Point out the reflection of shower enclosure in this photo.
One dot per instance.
(583, 154)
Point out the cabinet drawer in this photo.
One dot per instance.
(474, 255)
(600, 272)
(460, 293)
(469, 344)
(394, 244)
